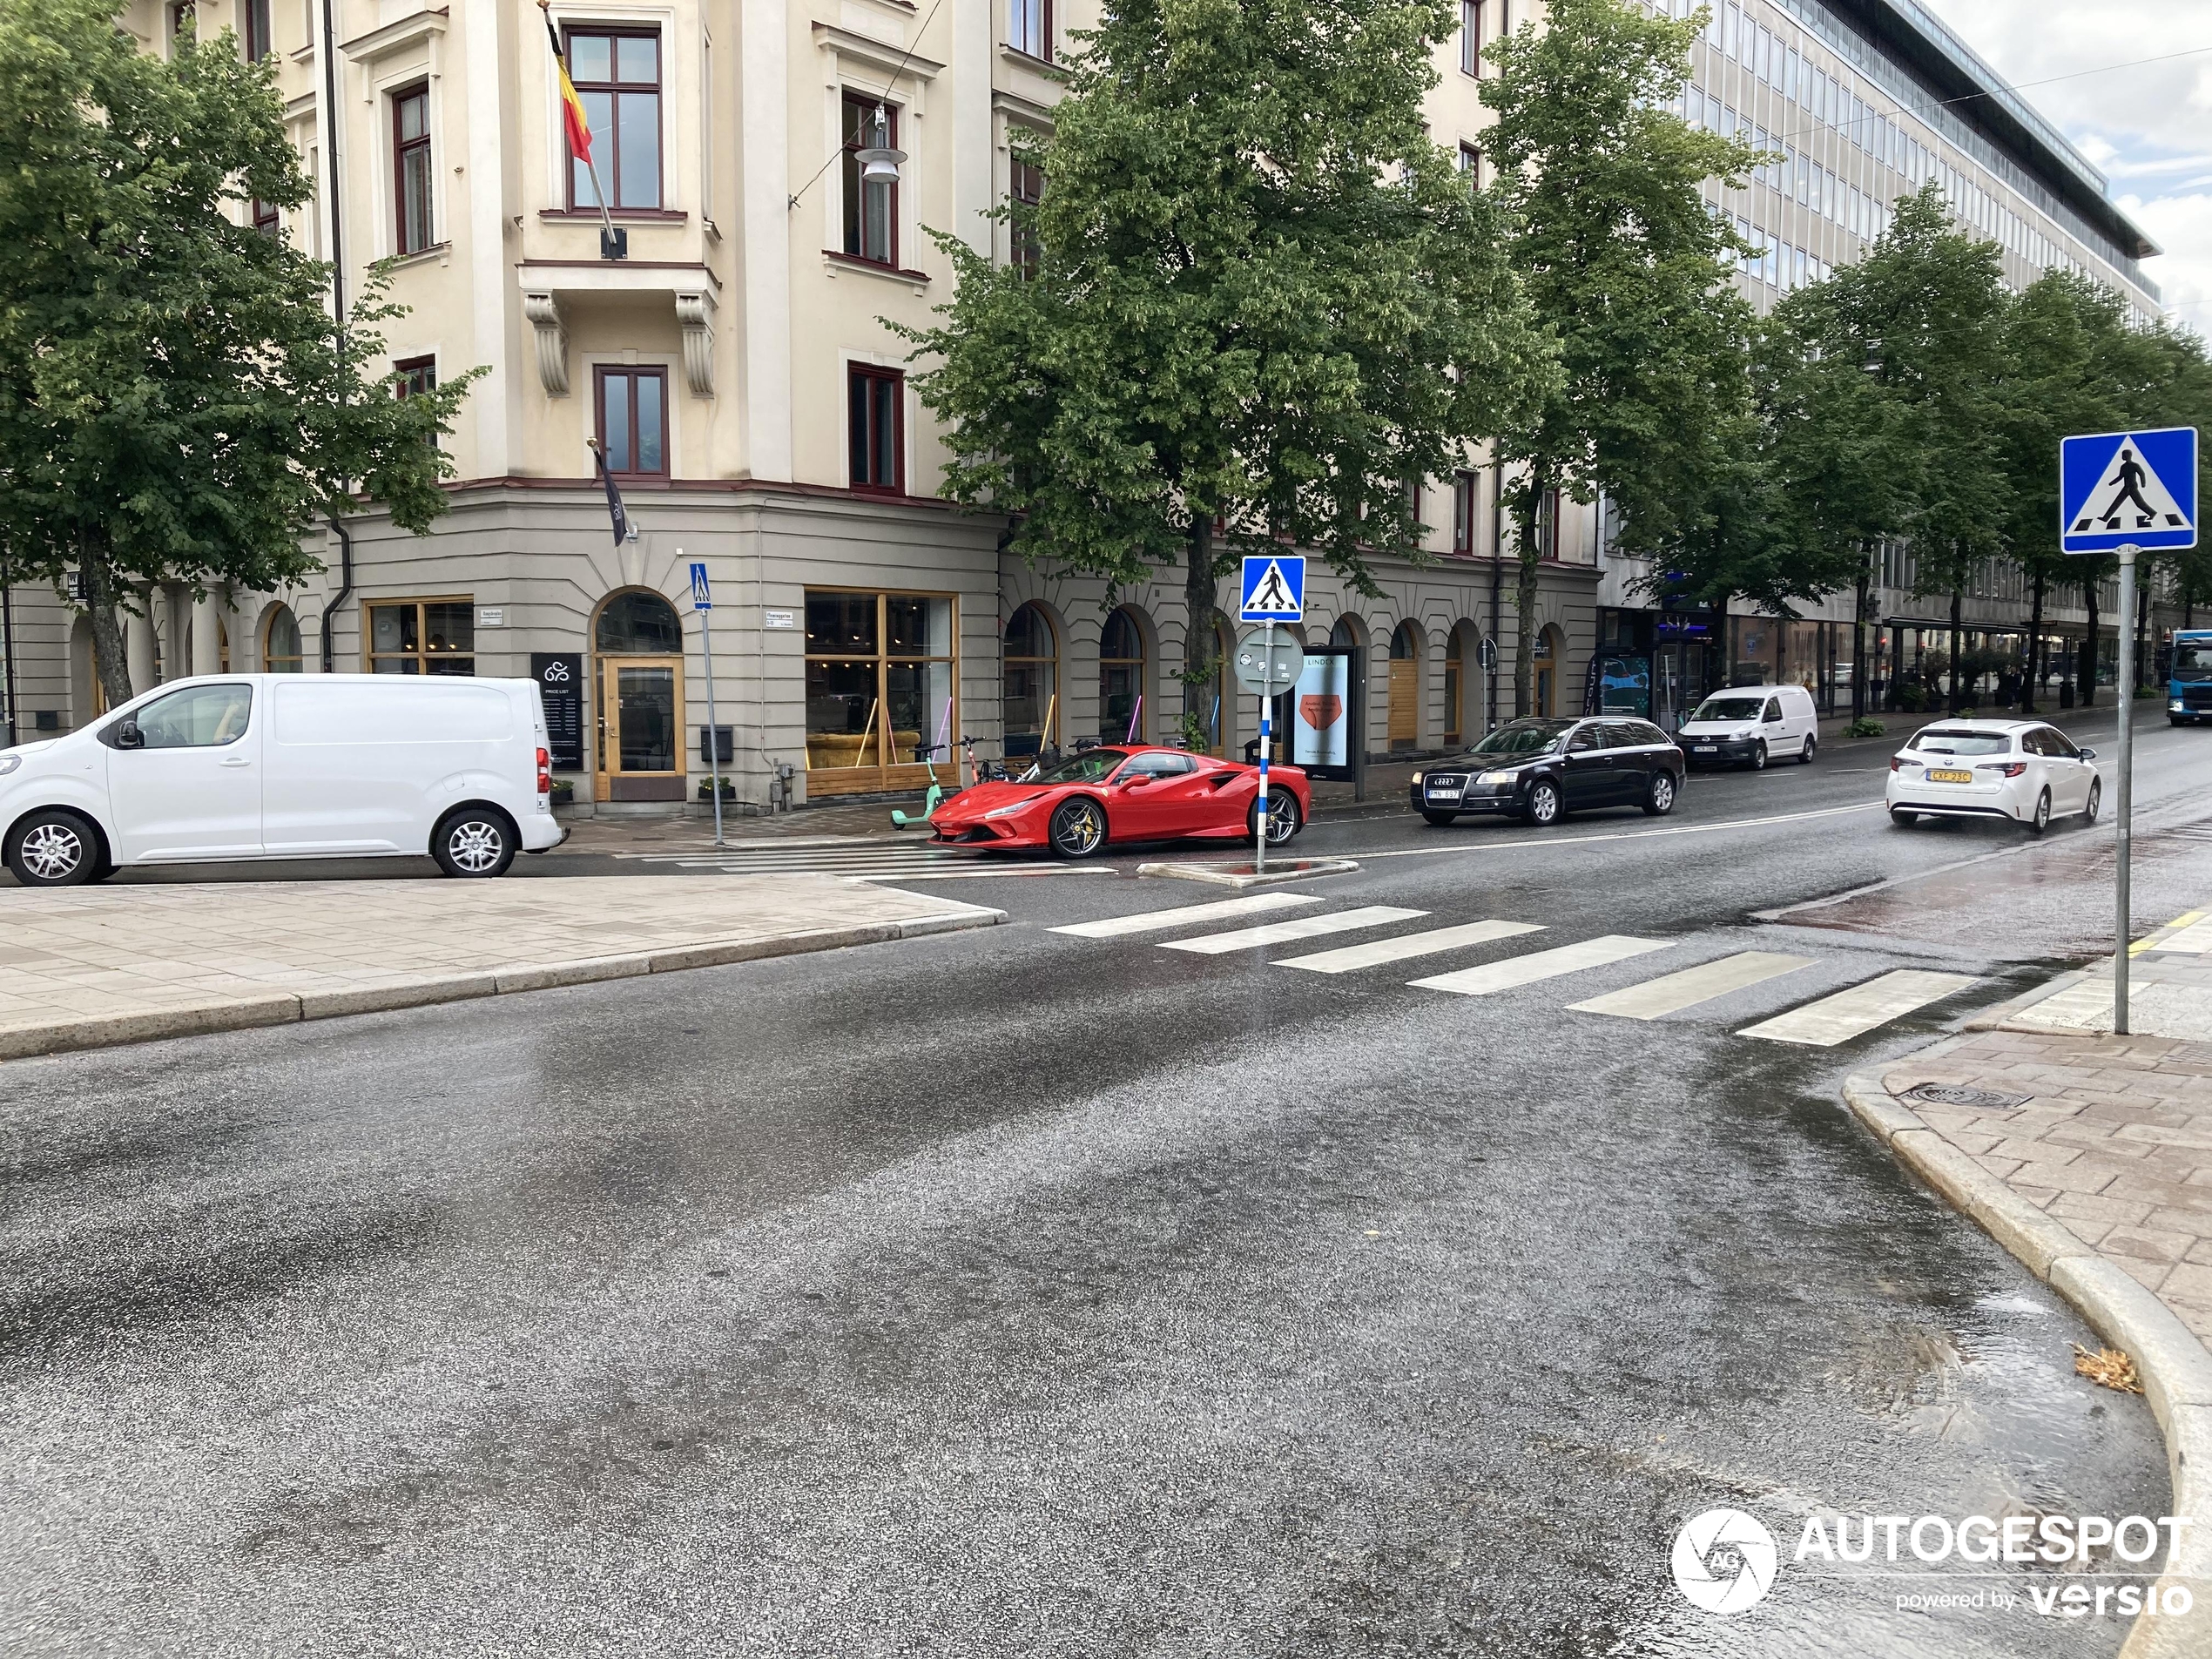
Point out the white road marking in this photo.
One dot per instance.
(1542, 964)
(1274, 933)
(1673, 992)
(1151, 921)
(1518, 844)
(1347, 957)
(1852, 1013)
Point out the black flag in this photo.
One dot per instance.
(615, 513)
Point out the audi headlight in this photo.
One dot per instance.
(1417, 776)
(1495, 778)
(8, 762)
(1009, 811)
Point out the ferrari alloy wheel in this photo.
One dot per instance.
(1543, 803)
(1283, 819)
(1078, 828)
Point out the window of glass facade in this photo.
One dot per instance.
(882, 670)
(280, 652)
(1029, 701)
(1121, 679)
(422, 636)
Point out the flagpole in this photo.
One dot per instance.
(613, 244)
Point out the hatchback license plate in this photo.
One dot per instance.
(1951, 777)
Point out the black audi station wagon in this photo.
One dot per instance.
(1539, 770)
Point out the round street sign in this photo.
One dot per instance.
(1260, 670)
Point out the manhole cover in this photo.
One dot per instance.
(1978, 1099)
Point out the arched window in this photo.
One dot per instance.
(1121, 679)
(1029, 699)
(1406, 686)
(639, 625)
(280, 652)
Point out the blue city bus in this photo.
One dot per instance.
(2188, 681)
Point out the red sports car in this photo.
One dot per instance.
(1126, 793)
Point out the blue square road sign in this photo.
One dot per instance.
(702, 594)
(1273, 588)
(2118, 489)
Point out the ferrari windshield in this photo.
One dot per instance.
(1523, 738)
(1088, 766)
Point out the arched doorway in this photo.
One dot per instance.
(1549, 650)
(1121, 715)
(280, 650)
(638, 640)
(1029, 698)
(1454, 692)
(1406, 686)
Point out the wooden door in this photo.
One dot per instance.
(1405, 702)
(641, 729)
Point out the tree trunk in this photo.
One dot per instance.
(1198, 636)
(2084, 660)
(1859, 640)
(2034, 648)
(1953, 703)
(108, 649)
(1524, 600)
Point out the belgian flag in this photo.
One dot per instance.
(572, 114)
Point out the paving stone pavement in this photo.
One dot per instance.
(138, 960)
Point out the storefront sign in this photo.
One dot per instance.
(560, 682)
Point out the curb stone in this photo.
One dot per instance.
(2175, 1369)
(102, 1031)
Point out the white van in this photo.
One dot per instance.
(1750, 725)
(231, 766)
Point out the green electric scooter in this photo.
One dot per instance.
(931, 800)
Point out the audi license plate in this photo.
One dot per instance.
(1444, 791)
(1951, 777)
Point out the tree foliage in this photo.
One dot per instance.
(1633, 276)
(1260, 296)
(176, 402)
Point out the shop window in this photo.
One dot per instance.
(1121, 679)
(422, 636)
(871, 205)
(1028, 27)
(1030, 700)
(880, 673)
(633, 421)
(617, 74)
(411, 168)
(875, 411)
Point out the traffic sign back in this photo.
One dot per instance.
(2128, 488)
(1274, 588)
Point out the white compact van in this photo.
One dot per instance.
(1751, 725)
(231, 766)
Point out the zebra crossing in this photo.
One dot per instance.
(1821, 1022)
(868, 858)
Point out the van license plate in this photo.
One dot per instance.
(1705, 749)
(1948, 777)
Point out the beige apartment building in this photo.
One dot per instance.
(738, 367)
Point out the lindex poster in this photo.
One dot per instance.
(1321, 713)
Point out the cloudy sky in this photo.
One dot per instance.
(2145, 126)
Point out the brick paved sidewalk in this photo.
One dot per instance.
(2112, 1136)
(83, 966)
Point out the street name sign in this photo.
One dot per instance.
(1274, 588)
(2128, 490)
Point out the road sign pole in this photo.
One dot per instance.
(702, 602)
(2122, 932)
(1266, 697)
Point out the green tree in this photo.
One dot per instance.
(1633, 275)
(1259, 297)
(176, 402)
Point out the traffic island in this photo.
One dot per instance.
(1245, 874)
(88, 967)
(2089, 1157)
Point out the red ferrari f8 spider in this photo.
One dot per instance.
(1077, 806)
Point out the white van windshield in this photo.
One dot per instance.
(1730, 708)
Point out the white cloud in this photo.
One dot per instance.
(2140, 125)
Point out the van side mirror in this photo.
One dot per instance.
(127, 736)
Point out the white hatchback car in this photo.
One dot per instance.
(2018, 770)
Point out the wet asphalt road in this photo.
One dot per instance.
(1011, 1293)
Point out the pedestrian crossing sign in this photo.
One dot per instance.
(2128, 489)
(1274, 588)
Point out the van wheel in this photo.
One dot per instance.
(475, 841)
(1805, 760)
(1758, 762)
(56, 848)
